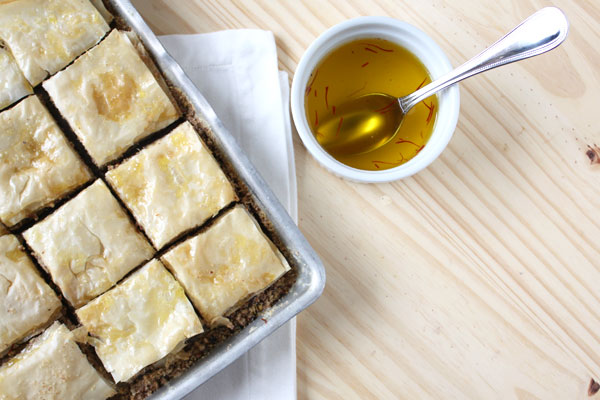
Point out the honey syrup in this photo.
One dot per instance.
(358, 68)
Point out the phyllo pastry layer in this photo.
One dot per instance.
(52, 368)
(139, 321)
(13, 85)
(226, 264)
(88, 244)
(45, 36)
(172, 185)
(110, 98)
(37, 164)
(27, 303)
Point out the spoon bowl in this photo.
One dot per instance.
(366, 123)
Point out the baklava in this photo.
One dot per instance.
(139, 321)
(52, 367)
(45, 36)
(37, 165)
(172, 185)
(88, 244)
(226, 264)
(99, 174)
(110, 98)
(27, 303)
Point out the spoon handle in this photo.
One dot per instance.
(541, 32)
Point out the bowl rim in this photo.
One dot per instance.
(436, 62)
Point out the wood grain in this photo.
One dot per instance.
(479, 277)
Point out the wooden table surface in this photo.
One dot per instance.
(480, 276)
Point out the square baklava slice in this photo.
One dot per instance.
(13, 85)
(172, 185)
(37, 164)
(139, 321)
(52, 367)
(224, 265)
(88, 244)
(45, 36)
(27, 303)
(110, 98)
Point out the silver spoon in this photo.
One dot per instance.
(541, 32)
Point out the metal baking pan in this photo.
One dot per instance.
(311, 273)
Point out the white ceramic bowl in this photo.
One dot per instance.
(406, 36)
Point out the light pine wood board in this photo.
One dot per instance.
(479, 277)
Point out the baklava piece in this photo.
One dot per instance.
(88, 244)
(37, 165)
(110, 98)
(13, 85)
(229, 262)
(172, 185)
(45, 36)
(52, 368)
(139, 321)
(27, 303)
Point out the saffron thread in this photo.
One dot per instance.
(379, 47)
(377, 162)
(387, 108)
(339, 126)
(357, 90)
(309, 87)
(431, 108)
(407, 141)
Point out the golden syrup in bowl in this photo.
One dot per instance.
(359, 68)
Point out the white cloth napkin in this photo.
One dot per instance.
(237, 72)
